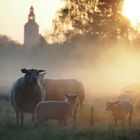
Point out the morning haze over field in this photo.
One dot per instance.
(96, 42)
(80, 48)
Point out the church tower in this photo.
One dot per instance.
(31, 30)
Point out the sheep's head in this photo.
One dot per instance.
(110, 105)
(32, 75)
(71, 98)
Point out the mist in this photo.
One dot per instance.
(104, 69)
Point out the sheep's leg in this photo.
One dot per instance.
(33, 116)
(61, 122)
(74, 118)
(22, 118)
(115, 120)
(75, 114)
(81, 100)
(37, 123)
(123, 122)
(65, 123)
(17, 118)
(130, 119)
(38, 120)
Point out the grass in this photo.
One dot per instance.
(52, 130)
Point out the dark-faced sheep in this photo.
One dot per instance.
(121, 109)
(26, 93)
(58, 110)
(56, 88)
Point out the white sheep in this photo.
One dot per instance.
(56, 88)
(121, 109)
(58, 110)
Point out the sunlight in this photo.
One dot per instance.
(118, 70)
(131, 11)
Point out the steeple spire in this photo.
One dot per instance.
(31, 16)
(31, 30)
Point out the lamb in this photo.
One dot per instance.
(26, 92)
(59, 110)
(120, 110)
(56, 88)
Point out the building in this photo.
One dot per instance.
(31, 31)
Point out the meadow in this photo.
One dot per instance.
(100, 73)
(102, 128)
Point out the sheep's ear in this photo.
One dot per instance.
(41, 75)
(76, 96)
(39, 71)
(24, 70)
(116, 102)
(66, 95)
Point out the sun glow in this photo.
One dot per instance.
(131, 10)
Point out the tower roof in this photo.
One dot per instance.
(31, 30)
(31, 16)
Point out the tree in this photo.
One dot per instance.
(96, 19)
(111, 19)
(8, 46)
(5, 41)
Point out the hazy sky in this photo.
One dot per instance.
(14, 14)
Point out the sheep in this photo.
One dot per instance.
(126, 95)
(58, 110)
(130, 95)
(56, 88)
(120, 110)
(26, 92)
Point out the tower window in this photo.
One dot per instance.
(31, 17)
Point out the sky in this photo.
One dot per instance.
(14, 14)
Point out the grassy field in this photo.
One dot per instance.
(52, 130)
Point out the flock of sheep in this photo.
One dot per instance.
(56, 99)
(46, 98)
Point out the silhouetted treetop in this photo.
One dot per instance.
(98, 19)
(5, 41)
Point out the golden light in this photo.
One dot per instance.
(131, 10)
(116, 69)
